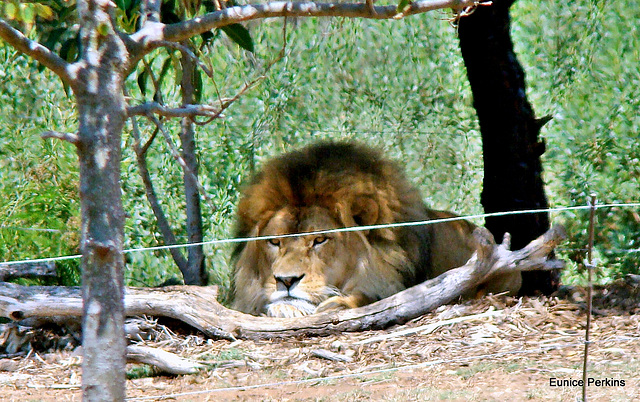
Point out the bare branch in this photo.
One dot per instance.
(35, 50)
(27, 269)
(69, 137)
(154, 34)
(210, 112)
(165, 361)
(184, 111)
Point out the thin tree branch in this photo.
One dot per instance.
(153, 34)
(189, 53)
(181, 162)
(193, 111)
(147, 144)
(157, 93)
(152, 197)
(184, 111)
(69, 137)
(38, 52)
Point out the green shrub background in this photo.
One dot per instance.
(397, 85)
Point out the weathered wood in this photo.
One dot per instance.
(163, 360)
(27, 269)
(197, 306)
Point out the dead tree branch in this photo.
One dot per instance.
(27, 269)
(163, 360)
(197, 306)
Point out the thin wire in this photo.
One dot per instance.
(29, 229)
(341, 230)
(380, 371)
(607, 251)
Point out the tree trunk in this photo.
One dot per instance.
(511, 148)
(195, 272)
(101, 115)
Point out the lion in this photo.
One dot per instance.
(333, 185)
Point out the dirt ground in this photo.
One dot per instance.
(519, 349)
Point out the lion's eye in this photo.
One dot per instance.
(320, 240)
(274, 242)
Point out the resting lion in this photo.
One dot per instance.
(338, 185)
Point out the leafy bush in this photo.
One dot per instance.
(400, 86)
(583, 69)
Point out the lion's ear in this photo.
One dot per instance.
(365, 211)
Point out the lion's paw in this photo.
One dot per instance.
(336, 303)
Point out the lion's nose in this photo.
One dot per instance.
(288, 281)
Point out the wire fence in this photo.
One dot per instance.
(350, 229)
(584, 344)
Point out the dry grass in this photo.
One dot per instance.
(513, 353)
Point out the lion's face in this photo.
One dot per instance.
(304, 271)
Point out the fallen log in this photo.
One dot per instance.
(27, 270)
(197, 306)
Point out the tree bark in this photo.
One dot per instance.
(101, 117)
(195, 272)
(27, 269)
(197, 306)
(510, 131)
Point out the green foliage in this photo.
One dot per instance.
(400, 86)
(39, 209)
(403, 5)
(141, 371)
(240, 35)
(26, 13)
(583, 69)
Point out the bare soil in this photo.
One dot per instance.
(513, 354)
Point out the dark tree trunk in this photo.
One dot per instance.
(195, 272)
(511, 148)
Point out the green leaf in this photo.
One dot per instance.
(197, 85)
(163, 72)
(142, 82)
(44, 12)
(403, 5)
(11, 11)
(69, 50)
(28, 13)
(240, 35)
